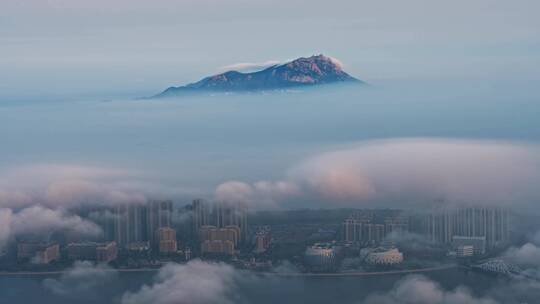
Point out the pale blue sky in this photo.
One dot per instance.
(127, 48)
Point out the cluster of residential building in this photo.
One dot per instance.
(220, 230)
(464, 232)
(364, 228)
(143, 229)
(483, 228)
(479, 229)
(220, 227)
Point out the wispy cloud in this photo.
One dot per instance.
(249, 66)
(264, 194)
(66, 185)
(37, 220)
(336, 61)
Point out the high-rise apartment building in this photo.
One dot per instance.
(220, 215)
(130, 221)
(159, 215)
(140, 222)
(229, 214)
(396, 225)
(201, 214)
(365, 231)
(372, 233)
(489, 222)
(352, 230)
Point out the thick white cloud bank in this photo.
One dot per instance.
(38, 220)
(70, 185)
(406, 173)
(396, 172)
(400, 173)
(38, 199)
(35, 199)
(67, 185)
(261, 194)
(196, 282)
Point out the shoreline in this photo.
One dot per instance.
(283, 274)
(362, 273)
(59, 272)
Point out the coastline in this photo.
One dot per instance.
(280, 274)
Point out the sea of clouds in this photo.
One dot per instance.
(407, 173)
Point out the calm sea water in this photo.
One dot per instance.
(263, 290)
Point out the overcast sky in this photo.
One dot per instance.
(106, 48)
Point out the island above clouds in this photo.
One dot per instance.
(301, 72)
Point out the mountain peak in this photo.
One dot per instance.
(304, 71)
(320, 60)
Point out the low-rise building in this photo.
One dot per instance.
(82, 251)
(219, 240)
(381, 256)
(107, 252)
(38, 252)
(262, 241)
(477, 242)
(92, 251)
(138, 247)
(464, 251)
(217, 247)
(321, 257)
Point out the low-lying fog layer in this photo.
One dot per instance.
(186, 147)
